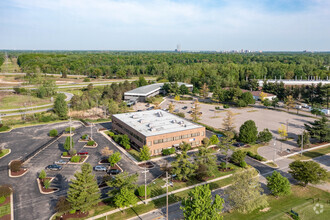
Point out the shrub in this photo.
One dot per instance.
(225, 106)
(5, 191)
(243, 164)
(4, 128)
(62, 205)
(75, 159)
(256, 156)
(46, 184)
(223, 165)
(141, 191)
(85, 137)
(87, 80)
(90, 143)
(294, 216)
(72, 211)
(241, 103)
(250, 154)
(111, 134)
(238, 156)
(42, 175)
(2, 199)
(168, 151)
(53, 133)
(73, 152)
(68, 129)
(65, 154)
(180, 114)
(265, 136)
(16, 165)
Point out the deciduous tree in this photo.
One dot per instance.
(145, 153)
(278, 184)
(248, 132)
(60, 106)
(114, 158)
(307, 172)
(228, 121)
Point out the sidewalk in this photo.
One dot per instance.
(160, 196)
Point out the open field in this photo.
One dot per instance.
(301, 201)
(10, 66)
(312, 154)
(11, 101)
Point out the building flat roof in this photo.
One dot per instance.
(155, 122)
(148, 89)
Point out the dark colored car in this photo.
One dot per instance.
(113, 171)
(54, 167)
(150, 108)
(82, 153)
(185, 107)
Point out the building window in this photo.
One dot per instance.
(202, 133)
(149, 143)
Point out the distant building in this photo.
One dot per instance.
(256, 94)
(298, 82)
(158, 129)
(142, 93)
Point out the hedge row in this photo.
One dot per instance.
(256, 156)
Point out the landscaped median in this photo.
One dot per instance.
(4, 152)
(307, 155)
(6, 203)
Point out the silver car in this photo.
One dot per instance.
(61, 162)
(100, 168)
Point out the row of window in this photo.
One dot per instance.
(159, 151)
(129, 132)
(159, 141)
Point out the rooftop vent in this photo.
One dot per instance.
(135, 116)
(159, 114)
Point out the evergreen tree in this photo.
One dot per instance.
(60, 106)
(125, 198)
(319, 129)
(265, 136)
(122, 180)
(245, 194)
(205, 158)
(278, 184)
(228, 122)
(145, 153)
(182, 167)
(303, 138)
(199, 205)
(226, 145)
(83, 192)
(307, 172)
(67, 145)
(248, 132)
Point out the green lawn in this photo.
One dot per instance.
(272, 164)
(253, 148)
(135, 154)
(10, 66)
(17, 101)
(301, 201)
(311, 154)
(4, 210)
(4, 152)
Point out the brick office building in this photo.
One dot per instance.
(158, 129)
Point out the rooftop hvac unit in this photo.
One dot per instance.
(160, 114)
(173, 121)
(135, 116)
(153, 129)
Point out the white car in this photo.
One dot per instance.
(61, 162)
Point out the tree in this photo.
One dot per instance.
(177, 98)
(142, 81)
(171, 108)
(214, 140)
(245, 194)
(199, 204)
(62, 205)
(247, 97)
(262, 96)
(241, 103)
(307, 172)
(265, 136)
(204, 91)
(206, 162)
(122, 180)
(289, 102)
(145, 153)
(106, 152)
(282, 131)
(305, 138)
(67, 145)
(266, 103)
(228, 122)
(319, 129)
(184, 89)
(219, 94)
(60, 106)
(125, 198)
(274, 102)
(114, 158)
(238, 156)
(83, 192)
(113, 107)
(195, 112)
(182, 167)
(226, 145)
(141, 191)
(316, 112)
(248, 132)
(42, 174)
(124, 141)
(53, 133)
(278, 184)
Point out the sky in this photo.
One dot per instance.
(267, 25)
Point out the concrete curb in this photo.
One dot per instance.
(9, 171)
(46, 193)
(72, 163)
(92, 147)
(6, 154)
(11, 206)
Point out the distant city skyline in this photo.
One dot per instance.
(204, 25)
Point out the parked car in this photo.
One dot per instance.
(150, 108)
(113, 171)
(298, 106)
(238, 144)
(185, 107)
(54, 167)
(189, 112)
(82, 153)
(100, 168)
(61, 162)
(304, 105)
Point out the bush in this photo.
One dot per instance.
(111, 134)
(265, 136)
(65, 154)
(72, 211)
(16, 165)
(4, 128)
(85, 137)
(223, 165)
(75, 159)
(68, 129)
(180, 114)
(42, 175)
(225, 106)
(243, 164)
(53, 133)
(2, 199)
(87, 80)
(256, 156)
(168, 151)
(238, 156)
(241, 103)
(73, 152)
(141, 191)
(90, 143)
(62, 205)
(46, 184)
(5, 191)
(294, 217)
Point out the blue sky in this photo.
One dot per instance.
(162, 24)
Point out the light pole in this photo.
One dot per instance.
(302, 143)
(166, 195)
(145, 183)
(274, 149)
(70, 131)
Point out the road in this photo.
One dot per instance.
(68, 98)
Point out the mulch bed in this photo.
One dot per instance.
(246, 146)
(147, 165)
(6, 201)
(78, 215)
(115, 167)
(105, 161)
(42, 185)
(5, 217)
(22, 171)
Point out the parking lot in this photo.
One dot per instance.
(263, 117)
